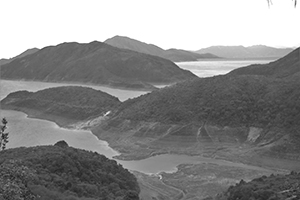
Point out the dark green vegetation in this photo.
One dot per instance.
(287, 67)
(3, 134)
(62, 104)
(223, 100)
(274, 187)
(96, 63)
(63, 173)
(175, 55)
(257, 51)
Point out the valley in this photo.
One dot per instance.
(207, 128)
(150, 100)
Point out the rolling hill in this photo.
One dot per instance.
(62, 105)
(25, 53)
(175, 55)
(61, 172)
(257, 51)
(95, 63)
(286, 67)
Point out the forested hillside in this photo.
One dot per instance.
(62, 104)
(60, 172)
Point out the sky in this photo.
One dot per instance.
(181, 24)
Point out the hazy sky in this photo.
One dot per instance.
(184, 24)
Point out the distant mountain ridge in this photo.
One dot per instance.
(175, 55)
(25, 53)
(286, 67)
(96, 63)
(256, 51)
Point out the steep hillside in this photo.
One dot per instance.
(257, 51)
(61, 172)
(62, 105)
(286, 67)
(175, 55)
(222, 100)
(25, 53)
(249, 118)
(223, 116)
(96, 63)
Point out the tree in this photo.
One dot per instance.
(3, 135)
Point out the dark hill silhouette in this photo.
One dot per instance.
(55, 172)
(25, 53)
(96, 63)
(257, 51)
(175, 55)
(286, 67)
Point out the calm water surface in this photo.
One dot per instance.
(206, 68)
(27, 132)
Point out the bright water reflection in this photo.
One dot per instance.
(207, 68)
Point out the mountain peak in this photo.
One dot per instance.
(96, 63)
(175, 55)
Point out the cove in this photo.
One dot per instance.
(28, 132)
(24, 131)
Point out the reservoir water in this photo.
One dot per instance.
(206, 68)
(27, 132)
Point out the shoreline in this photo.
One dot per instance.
(153, 184)
(88, 84)
(131, 157)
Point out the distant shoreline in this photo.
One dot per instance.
(231, 59)
(84, 84)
